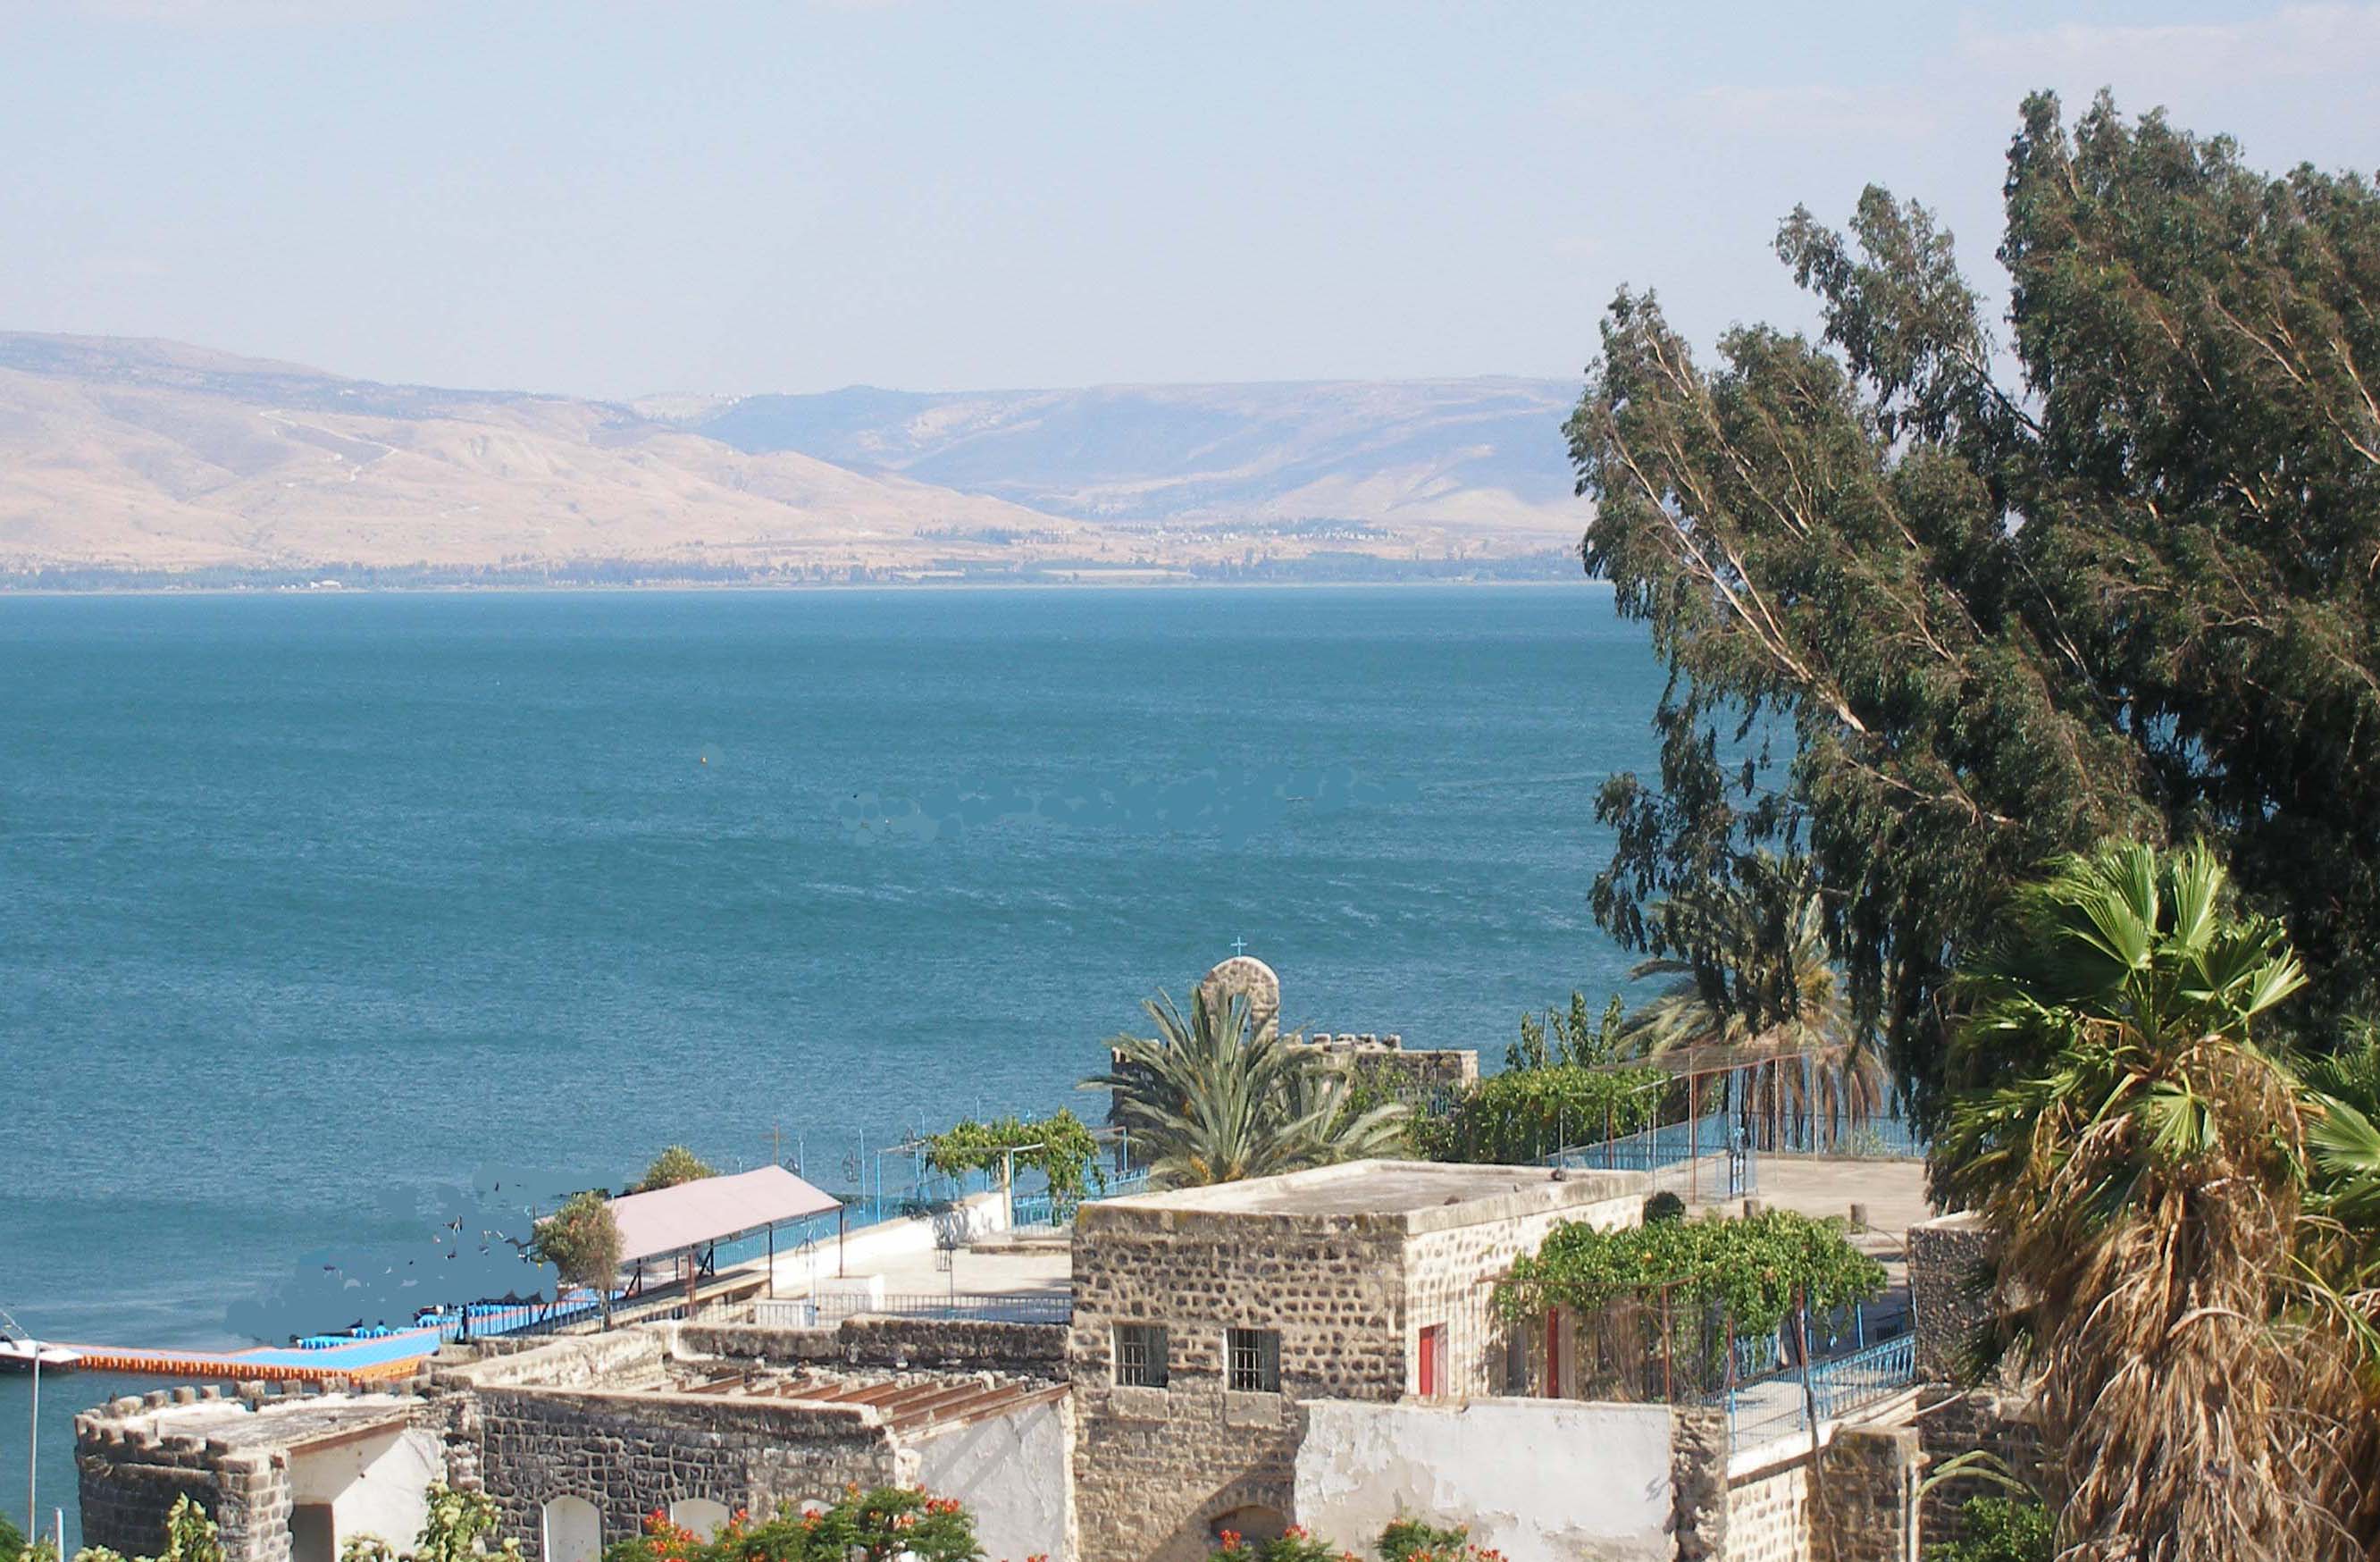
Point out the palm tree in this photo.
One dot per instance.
(1751, 970)
(2140, 1174)
(1209, 1102)
(2343, 1091)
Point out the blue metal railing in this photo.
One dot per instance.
(1042, 1209)
(1734, 1169)
(1769, 1408)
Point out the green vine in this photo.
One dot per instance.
(1523, 1115)
(1754, 1269)
(1060, 1146)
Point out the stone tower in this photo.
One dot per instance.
(1243, 976)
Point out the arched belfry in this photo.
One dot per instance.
(1244, 976)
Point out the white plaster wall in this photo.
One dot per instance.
(1015, 1475)
(1538, 1480)
(376, 1485)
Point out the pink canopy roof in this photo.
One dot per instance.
(670, 1220)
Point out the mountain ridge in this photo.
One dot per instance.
(147, 453)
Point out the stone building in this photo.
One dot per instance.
(1209, 1321)
(579, 1438)
(1317, 1348)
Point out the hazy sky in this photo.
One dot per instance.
(610, 198)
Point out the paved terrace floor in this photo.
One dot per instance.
(1041, 1267)
(1894, 1192)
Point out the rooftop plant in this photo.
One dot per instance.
(1523, 1115)
(1754, 1269)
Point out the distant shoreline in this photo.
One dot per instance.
(532, 588)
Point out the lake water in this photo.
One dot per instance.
(309, 902)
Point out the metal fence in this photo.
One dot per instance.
(1780, 1405)
(1043, 1209)
(1656, 1348)
(1710, 1157)
(994, 1307)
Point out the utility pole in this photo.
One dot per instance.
(776, 1144)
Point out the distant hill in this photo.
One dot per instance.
(1484, 457)
(143, 457)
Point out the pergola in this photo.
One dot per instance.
(695, 1215)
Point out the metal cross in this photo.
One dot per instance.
(1239, 945)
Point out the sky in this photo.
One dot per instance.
(614, 197)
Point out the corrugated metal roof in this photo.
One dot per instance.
(670, 1220)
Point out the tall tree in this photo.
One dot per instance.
(1936, 630)
(2141, 1173)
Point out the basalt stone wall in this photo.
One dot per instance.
(130, 1472)
(1863, 1505)
(1951, 1422)
(1389, 1064)
(1949, 1268)
(629, 1454)
(1155, 1467)
(895, 1344)
(128, 1479)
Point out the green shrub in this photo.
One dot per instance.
(1524, 1115)
(1754, 1269)
(1999, 1529)
(1060, 1146)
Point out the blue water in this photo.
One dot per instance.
(310, 902)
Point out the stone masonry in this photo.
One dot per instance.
(613, 1418)
(1341, 1266)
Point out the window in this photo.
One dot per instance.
(1252, 1360)
(1140, 1355)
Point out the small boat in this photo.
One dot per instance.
(19, 1356)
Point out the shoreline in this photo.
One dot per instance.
(792, 587)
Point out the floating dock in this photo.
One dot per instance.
(389, 1356)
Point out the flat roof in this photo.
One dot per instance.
(670, 1220)
(1408, 1189)
(287, 1423)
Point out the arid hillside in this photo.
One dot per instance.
(144, 455)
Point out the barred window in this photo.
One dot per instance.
(1252, 1360)
(1140, 1355)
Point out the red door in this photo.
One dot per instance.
(1433, 1359)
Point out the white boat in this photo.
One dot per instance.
(19, 1356)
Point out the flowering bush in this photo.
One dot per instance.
(1296, 1545)
(1407, 1540)
(862, 1526)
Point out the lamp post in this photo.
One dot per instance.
(33, 1427)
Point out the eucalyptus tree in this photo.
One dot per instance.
(1207, 1102)
(1935, 628)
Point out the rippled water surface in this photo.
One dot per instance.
(307, 901)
